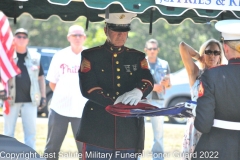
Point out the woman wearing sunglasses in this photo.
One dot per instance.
(210, 55)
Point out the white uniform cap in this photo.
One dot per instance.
(230, 29)
(119, 22)
(119, 18)
(76, 29)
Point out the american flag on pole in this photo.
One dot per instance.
(8, 67)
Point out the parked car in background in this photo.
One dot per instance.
(46, 57)
(178, 93)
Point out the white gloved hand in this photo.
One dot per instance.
(119, 99)
(132, 97)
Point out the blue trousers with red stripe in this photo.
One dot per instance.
(91, 152)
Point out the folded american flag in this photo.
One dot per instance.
(143, 108)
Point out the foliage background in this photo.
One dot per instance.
(52, 33)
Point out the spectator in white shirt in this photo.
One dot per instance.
(67, 101)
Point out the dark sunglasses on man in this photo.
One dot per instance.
(23, 37)
(152, 49)
(210, 52)
(77, 35)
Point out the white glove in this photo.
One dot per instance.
(132, 97)
(119, 99)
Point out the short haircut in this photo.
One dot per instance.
(235, 45)
(154, 41)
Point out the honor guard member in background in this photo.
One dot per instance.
(109, 74)
(218, 109)
(26, 90)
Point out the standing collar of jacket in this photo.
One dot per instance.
(113, 48)
(234, 60)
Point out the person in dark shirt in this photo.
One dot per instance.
(26, 90)
(23, 83)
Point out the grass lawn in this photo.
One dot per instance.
(172, 140)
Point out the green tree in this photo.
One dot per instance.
(52, 33)
(169, 37)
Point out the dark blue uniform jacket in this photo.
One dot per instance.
(220, 100)
(106, 73)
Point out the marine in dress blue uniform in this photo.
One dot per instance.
(218, 110)
(109, 73)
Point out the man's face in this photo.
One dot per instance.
(151, 50)
(21, 40)
(76, 39)
(116, 38)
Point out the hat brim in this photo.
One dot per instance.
(119, 28)
(69, 34)
(21, 33)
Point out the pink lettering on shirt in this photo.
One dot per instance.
(69, 69)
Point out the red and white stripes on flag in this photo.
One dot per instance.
(8, 67)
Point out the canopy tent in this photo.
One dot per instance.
(148, 10)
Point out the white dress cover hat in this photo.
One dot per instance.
(230, 29)
(119, 22)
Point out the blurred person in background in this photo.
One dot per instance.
(210, 55)
(67, 101)
(26, 90)
(160, 71)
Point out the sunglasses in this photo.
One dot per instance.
(209, 52)
(77, 35)
(152, 49)
(23, 37)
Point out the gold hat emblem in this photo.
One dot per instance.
(122, 16)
